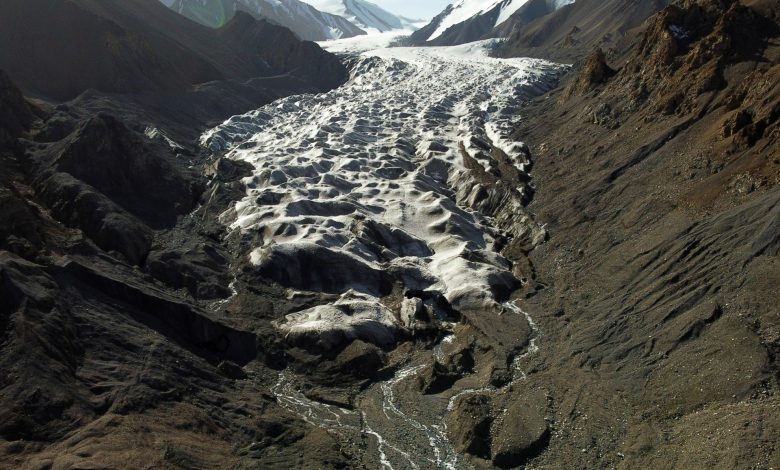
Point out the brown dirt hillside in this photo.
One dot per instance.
(656, 293)
(571, 32)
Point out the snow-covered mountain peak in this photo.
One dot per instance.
(464, 10)
(365, 14)
(303, 19)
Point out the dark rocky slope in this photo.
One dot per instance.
(112, 334)
(304, 20)
(656, 290)
(142, 48)
(140, 60)
(285, 53)
(473, 29)
(539, 28)
(115, 348)
(569, 33)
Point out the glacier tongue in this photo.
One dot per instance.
(355, 190)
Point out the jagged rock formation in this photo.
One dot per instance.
(594, 72)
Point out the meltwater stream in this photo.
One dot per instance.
(359, 189)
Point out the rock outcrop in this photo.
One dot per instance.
(594, 72)
(78, 205)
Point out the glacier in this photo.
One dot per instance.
(364, 190)
(365, 177)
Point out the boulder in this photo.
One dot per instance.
(227, 170)
(361, 360)
(468, 425)
(521, 435)
(411, 309)
(231, 370)
(437, 378)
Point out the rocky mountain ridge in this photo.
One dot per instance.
(471, 20)
(140, 47)
(367, 15)
(300, 17)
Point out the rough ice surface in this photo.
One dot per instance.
(355, 190)
(358, 44)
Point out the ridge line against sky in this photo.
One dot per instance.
(413, 9)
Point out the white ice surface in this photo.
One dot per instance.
(365, 43)
(368, 170)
